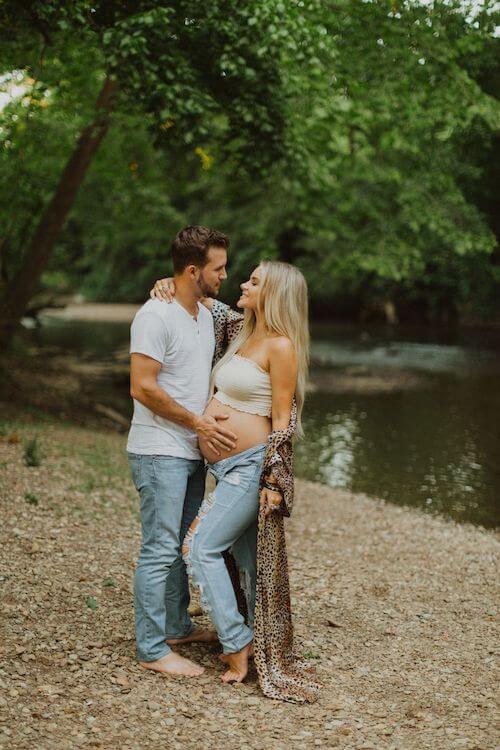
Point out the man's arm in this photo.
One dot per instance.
(144, 388)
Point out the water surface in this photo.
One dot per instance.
(435, 446)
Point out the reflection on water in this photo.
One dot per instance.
(90, 340)
(436, 446)
(336, 446)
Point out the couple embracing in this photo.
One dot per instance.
(218, 390)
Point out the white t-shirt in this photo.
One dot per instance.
(185, 347)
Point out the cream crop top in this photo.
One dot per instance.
(244, 385)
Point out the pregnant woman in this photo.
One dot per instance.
(260, 383)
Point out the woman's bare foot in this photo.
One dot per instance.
(173, 663)
(251, 654)
(237, 663)
(199, 635)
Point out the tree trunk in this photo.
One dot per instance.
(20, 290)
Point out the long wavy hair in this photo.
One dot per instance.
(283, 303)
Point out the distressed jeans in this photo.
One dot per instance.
(227, 519)
(171, 490)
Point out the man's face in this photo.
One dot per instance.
(213, 273)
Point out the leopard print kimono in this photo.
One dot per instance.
(281, 675)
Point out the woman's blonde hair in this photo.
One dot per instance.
(283, 303)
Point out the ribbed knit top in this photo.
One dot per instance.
(244, 385)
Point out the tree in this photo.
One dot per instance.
(378, 179)
(374, 171)
(186, 64)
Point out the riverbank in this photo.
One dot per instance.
(121, 312)
(103, 312)
(395, 609)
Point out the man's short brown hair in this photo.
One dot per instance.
(191, 246)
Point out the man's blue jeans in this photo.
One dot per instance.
(171, 490)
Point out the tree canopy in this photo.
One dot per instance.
(354, 139)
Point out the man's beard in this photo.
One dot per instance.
(205, 289)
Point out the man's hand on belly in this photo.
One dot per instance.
(216, 437)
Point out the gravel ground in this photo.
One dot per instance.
(395, 608)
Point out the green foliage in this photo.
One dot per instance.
(376, 183)
(92, 603)
(31, 498)
(310, 655)
(32, 455)
(193, 72)
(354, 139)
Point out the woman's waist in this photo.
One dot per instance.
(255, 453)
(250, 430)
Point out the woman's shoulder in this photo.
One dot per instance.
(281, 354)
(280, 346)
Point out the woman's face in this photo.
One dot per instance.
(250, 291)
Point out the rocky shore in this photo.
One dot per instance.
(395, 608)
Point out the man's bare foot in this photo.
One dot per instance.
(173, 663)
(199, 635)
(237, 663)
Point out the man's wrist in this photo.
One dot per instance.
(193, 421)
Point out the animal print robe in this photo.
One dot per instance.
(281, 674)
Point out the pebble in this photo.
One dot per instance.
(373, 568)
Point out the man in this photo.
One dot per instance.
(172, 347)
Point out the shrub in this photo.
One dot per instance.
(32, 453)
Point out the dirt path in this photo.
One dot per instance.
(394, 607)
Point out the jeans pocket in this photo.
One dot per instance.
(237, 482)
(242, 475)
(233, 477)
(135, 469)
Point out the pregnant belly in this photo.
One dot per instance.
(250, 430)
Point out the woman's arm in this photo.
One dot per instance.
(208, 302)
(283, 371)
(227, 325)
(227, 322)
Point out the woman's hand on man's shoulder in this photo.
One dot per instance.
(164, 289)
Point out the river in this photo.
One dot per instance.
(410, 415)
